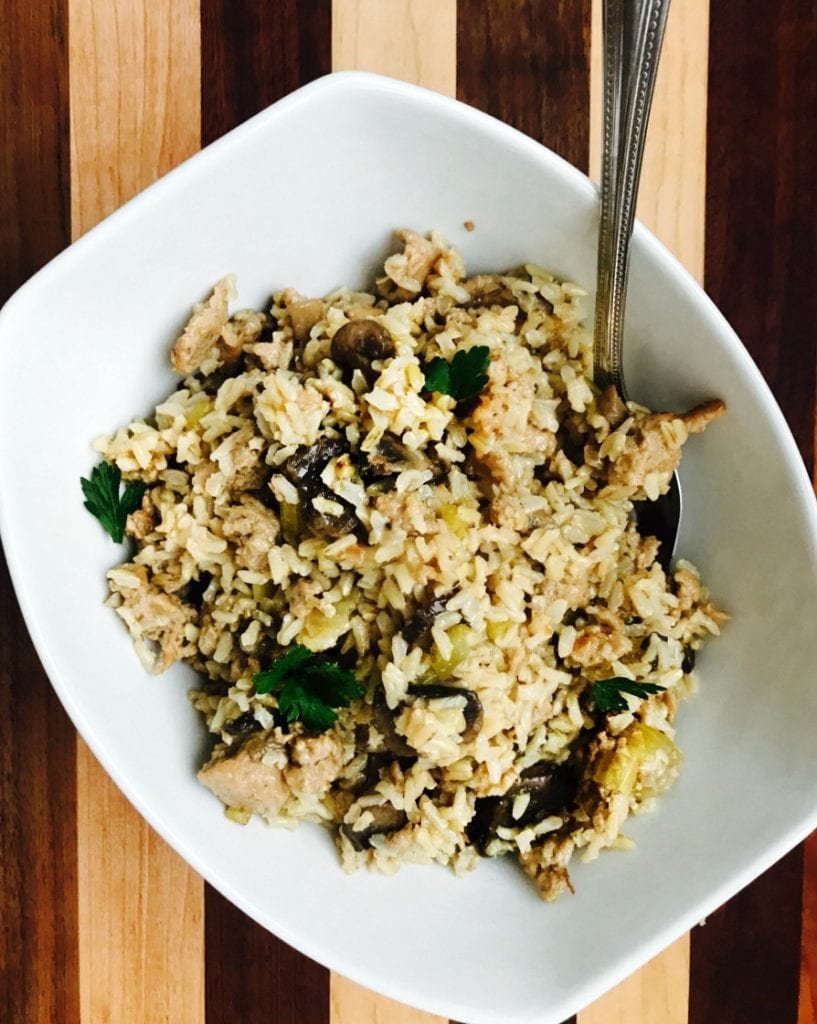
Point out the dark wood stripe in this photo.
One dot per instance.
(745, 960)
(253, 54)
(761, 213)
(528, 63)
(807, 1010)
(38, 951)
(761, 264)
(254, 978)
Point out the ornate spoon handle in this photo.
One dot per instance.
(633, 32)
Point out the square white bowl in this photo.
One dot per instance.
(307, 194)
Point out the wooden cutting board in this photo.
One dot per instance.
(99, 920)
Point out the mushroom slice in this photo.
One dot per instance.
(417, 630)
(384, 717)
(390, 458)
(358, 343)
(385, 819)
(550, 789)
(472, 711)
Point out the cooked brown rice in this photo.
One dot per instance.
(477, 566)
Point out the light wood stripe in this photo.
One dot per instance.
(672, 203)
(134, 73)
(415, 40)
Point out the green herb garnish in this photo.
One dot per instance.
(103, 500)
(462, 378)
(608, 693)
(308, 687)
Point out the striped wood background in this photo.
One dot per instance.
(99, 920)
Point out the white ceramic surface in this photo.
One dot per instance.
(306, 194)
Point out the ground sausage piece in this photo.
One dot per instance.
(143, 521)
(199, 338)
(239, 776)
(254, 529)
(410, 268)
(303, 313)
(546, 866)
(315, 763)
(653, 450)
(150, 614)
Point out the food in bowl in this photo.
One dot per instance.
(394, 533)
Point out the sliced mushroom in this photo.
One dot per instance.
(472, 710)
(244, 724)
(303, 313)
(489, 290)
(417, 630)
(390, 457)
(384, 717)
(327, 524)
(304, 467)
(550, 787)
(386, 818)
(359, 343)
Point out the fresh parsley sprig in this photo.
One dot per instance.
(464, 377)
(607, 694)
(308, 687)
(103, 500)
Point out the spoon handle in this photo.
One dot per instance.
(633, 32)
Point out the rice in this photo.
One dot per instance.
(475, 563)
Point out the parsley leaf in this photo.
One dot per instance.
(309, 689)
(608, 693)
(462, 378)
(438, 376)
(103, 500)
(273, 678)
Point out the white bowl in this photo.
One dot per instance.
(307, 194)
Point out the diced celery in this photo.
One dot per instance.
(461, 637)
(642, 762)
(450, 515)
(197, 413)
(290, 521)
(240, 815)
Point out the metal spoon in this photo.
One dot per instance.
(633, 32)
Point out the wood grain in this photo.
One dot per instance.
(351, 1004)
(807, 1004)
(656, 994)
(761, 200)
(254, 53)
(414, 40)
(253, 977)
(38, 951)
(134, 71)
(761, 254)
(527, 62)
